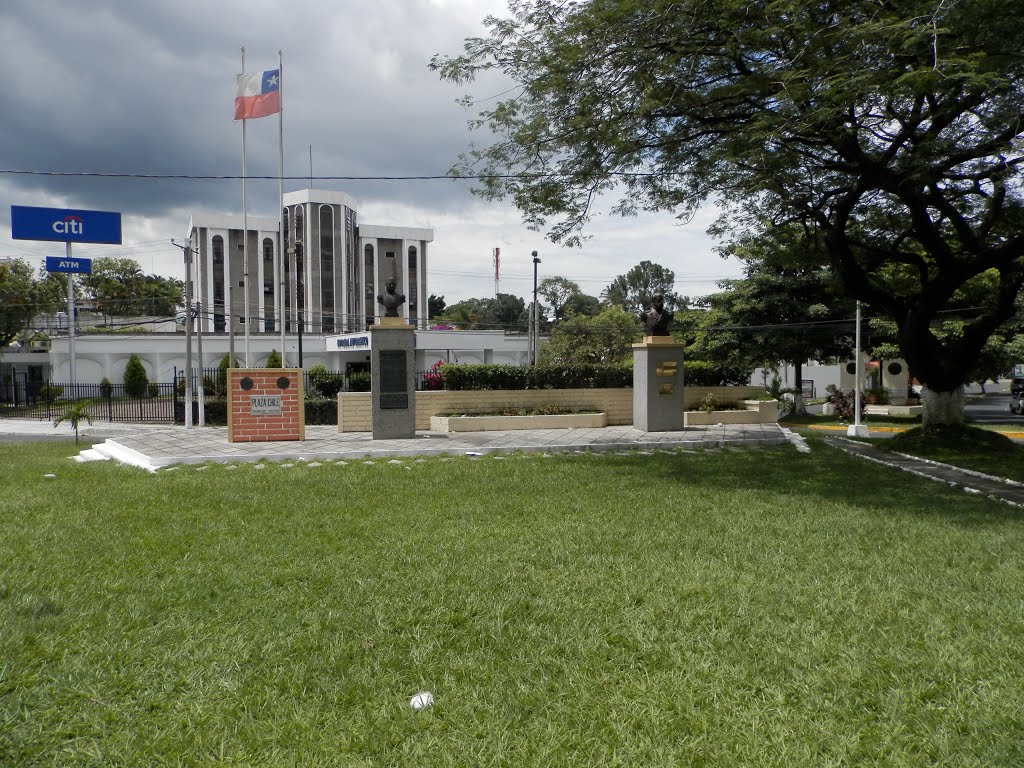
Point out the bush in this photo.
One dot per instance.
(359, 382)
(709, 403)
(51, 392)
(324, 383)
(135, 379)
(106, 388)
(477, 377)
(701, 373)
(844, 403)
(153, 389)
(274, 359)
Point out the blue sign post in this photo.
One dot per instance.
(64, 264)
(65, 225)
(68, 226)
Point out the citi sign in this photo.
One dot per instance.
(69, 225)
(65, 225)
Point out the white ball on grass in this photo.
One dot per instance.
(421, 700)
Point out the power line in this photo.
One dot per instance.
(307, 177)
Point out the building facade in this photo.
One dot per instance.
(332, 270)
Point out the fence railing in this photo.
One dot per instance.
(163, 403)
(103, 402)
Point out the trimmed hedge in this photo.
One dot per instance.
(474, 377)
(697, 373)
(318, 412)
(701, 373)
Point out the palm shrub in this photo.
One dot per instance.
(135, 379)
(74, 415)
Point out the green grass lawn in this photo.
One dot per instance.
(731, 608)
(981, 447)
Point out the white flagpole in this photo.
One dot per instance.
(279, 264)
(245, 243)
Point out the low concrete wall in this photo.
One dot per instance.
(502, 423)
(754, 412)
(354, 408)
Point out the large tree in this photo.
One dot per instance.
(557, 292)
(893, 126)
(607, 338)
(119, 288)
(784, 309)
(634, 291)
(17, 300)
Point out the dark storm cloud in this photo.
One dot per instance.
(147, 88)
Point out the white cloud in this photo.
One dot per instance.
(119, 86)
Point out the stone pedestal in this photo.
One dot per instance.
(393, 379)
(658, 384)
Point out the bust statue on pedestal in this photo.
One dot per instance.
(656, 320)
(391, 300)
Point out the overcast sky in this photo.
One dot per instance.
(147, 87)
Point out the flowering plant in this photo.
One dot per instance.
(434, 379)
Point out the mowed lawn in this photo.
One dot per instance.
(731, 608)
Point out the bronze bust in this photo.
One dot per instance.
(391, 300)
(656, 320)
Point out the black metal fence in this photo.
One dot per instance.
(103, 402)
(164, 403)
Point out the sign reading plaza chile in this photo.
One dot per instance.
(65, 225)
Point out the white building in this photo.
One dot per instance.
(99, 356)
(333, 268)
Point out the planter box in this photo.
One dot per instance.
(504, 423)
(754, 412)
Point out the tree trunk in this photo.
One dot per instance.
(799, 406)
(942, 409)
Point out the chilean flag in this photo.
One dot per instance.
(258, 94)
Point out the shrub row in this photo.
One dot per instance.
(698, 373)
(463, 377)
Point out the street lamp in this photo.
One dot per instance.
(536, 310)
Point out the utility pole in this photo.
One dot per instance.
(199, 341)
(536, 311)
(187, 252)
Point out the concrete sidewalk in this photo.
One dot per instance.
(162, 447)
(966, 480)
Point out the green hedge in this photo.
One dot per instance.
(463, 377)
(318, 412)
(698, 373)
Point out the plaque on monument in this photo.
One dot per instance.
(393, 386)
(265, 405)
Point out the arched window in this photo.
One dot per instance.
(327, 309)
(411, 289)
(268, 284)
(219, 282)
(369, 306)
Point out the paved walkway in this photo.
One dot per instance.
(153, 447)
(966, 480)
(156, 446)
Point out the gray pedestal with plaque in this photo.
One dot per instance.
(658, 385)
(393, 379)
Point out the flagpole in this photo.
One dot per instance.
(245, 243)
(279, 264)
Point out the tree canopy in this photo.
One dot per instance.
(119, 288)
(634, 291)
(606, 338)
(785, 309)
(893, 128)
